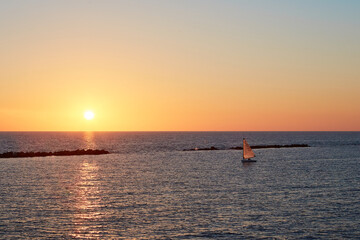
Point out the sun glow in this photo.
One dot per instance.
(88, 115)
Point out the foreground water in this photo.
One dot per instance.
(148, 188)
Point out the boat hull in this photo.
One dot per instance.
(248, 160)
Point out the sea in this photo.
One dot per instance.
(149, 188)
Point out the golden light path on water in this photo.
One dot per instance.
(87, 196)
(89, 140)
(87, 201)
(88, 216)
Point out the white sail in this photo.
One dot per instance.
(247, 151)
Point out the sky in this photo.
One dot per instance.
(244, 65)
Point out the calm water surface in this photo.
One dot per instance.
(148, 188)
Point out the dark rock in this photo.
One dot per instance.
(253, 147)
(202, 149)
(58, 153)
(279, 146)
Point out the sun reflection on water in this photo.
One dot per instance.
(89, 142)
(87, 204)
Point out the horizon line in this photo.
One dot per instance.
(159, 131)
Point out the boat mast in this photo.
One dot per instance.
(243, 148)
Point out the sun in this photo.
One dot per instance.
(88, 115)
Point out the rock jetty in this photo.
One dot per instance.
(253, 147)
(58, 153)
(202, 149)
(273, 146)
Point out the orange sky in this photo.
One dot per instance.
(180, 66)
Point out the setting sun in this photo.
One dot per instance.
(88, 115)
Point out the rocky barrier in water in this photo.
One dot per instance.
(253, 147)
(58, 153)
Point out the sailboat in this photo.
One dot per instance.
(247, 152)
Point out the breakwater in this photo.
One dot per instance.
(58, 153)
(212, 148)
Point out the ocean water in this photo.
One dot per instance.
(148, 188)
